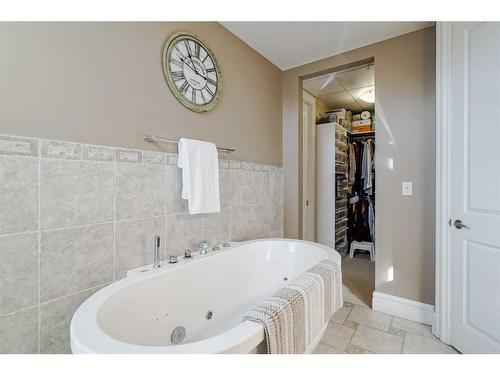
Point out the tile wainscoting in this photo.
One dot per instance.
(75, 217)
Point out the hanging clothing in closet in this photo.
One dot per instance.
(361, 179)
(367, 166)
(351, 176)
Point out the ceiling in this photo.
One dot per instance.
(291, 44)
(343, 89)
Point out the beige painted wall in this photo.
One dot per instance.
(405, 121)
(103, 83)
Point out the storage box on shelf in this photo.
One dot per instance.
(341, 169)
(362, 126)
(341, 202)
(340, 224)
(341, 147)
(341, 213)
(341, 188)
(341, 244)
(341, 157)
(340, 116)
(340, 136)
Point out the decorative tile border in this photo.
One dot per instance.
(258, 167)
(267, 168)
(128, 156)
(98, 153)
(18, 146)
(152, 157)
(224, 164)
(172, 160)
(246, 165)
(61, 150)
(235, 164)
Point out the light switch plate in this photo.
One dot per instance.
(407, 188)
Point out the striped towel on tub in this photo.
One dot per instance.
(294, 316)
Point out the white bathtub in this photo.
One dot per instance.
(139, 313)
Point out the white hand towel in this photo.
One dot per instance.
(200, 175)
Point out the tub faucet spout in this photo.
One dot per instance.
(156, 252)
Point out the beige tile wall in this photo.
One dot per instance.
(74, 218)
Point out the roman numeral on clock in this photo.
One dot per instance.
(211, 81)
(197, 50)
(183, 89)
(210, 92)
(211, 70)
(188, 47)
(178, 75)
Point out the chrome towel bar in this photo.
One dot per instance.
(154, 138)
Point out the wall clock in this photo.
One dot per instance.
(191, 72)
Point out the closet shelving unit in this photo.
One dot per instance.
(341, 188)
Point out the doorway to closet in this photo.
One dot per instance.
(345, 172)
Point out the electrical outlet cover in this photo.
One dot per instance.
(407, 188)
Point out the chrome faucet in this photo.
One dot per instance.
(203, 246)
(156, 252)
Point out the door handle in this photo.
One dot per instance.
(459, 225)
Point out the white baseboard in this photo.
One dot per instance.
(403, 308)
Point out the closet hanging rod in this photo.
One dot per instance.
(156, 139)
(361, 134)
(361, 137)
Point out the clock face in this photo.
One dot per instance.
(191, 72)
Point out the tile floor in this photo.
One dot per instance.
(357, 329)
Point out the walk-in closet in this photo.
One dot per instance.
(345, 172)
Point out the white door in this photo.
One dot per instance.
(475, 177)
(308, 167)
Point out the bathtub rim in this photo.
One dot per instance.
(246, 336)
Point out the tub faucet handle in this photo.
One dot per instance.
(203, 246)
(172, 259)
(187, 253)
